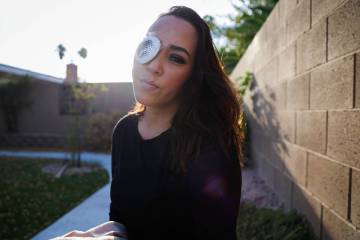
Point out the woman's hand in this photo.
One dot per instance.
(107, 230)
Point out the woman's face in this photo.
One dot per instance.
(158, 83)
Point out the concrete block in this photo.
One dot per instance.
(283, 188)
(295, 164)
(246, 63)
(287, 125)
(271, 151)
(282, 37)
(357, 80)
(311, 47)
(311, 130)
(322, 8)
(298, 93)
(344, 29)
(272, 22)
(268, 75)
(344, 136)
(272, 48)
(355, 198)
(266, 150)
(276, 159)
(286, 8)
(277, 96)
(268, 174)
(261, 38)
(268, 52)
(287, 62)
(332, 85)
(298, 21)
(307, 205)
(335, 228)
(329, 181)
(268, 32)
(260, 166)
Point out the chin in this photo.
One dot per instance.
(144, 99)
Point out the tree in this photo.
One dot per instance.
(61, 50)
(81, 95)
(14, 98)
(76, 101)
(236, 36)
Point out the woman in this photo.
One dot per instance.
(176, 156)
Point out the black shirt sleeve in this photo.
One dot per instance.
(214, 187)
(115, 154)
(113, 151)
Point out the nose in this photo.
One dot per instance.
(155, 66)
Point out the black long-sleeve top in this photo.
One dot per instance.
(154, 204)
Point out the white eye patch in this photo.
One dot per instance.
(147, 49)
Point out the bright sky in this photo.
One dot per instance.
(109, 29)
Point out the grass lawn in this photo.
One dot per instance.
(30, 199)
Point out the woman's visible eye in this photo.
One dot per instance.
(178, 59)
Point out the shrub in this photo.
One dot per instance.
(263, 223)
(99, 131)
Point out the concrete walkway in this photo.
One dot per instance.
(91, 212)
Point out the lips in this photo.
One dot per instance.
(148, 85)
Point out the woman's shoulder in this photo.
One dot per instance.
(125, 122)
(213, 156)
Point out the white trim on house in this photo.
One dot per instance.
(22, 72)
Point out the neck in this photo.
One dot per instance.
(159, 117)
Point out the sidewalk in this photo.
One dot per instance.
(93, 211)
(103, 159)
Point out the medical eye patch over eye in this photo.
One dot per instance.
(147, 49)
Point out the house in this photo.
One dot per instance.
(44, 124)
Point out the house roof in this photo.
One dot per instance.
(22, 72)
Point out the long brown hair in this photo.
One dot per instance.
(209, 109)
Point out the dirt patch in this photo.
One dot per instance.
(255, 190)
(85, 168)
(52, 168)
(56, 168)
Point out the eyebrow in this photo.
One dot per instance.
(181, 49)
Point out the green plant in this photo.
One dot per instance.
(99, 131)
(269, 224)
(234, 38)
(79, 99)
(241, 84)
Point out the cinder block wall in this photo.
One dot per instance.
(303, 109)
